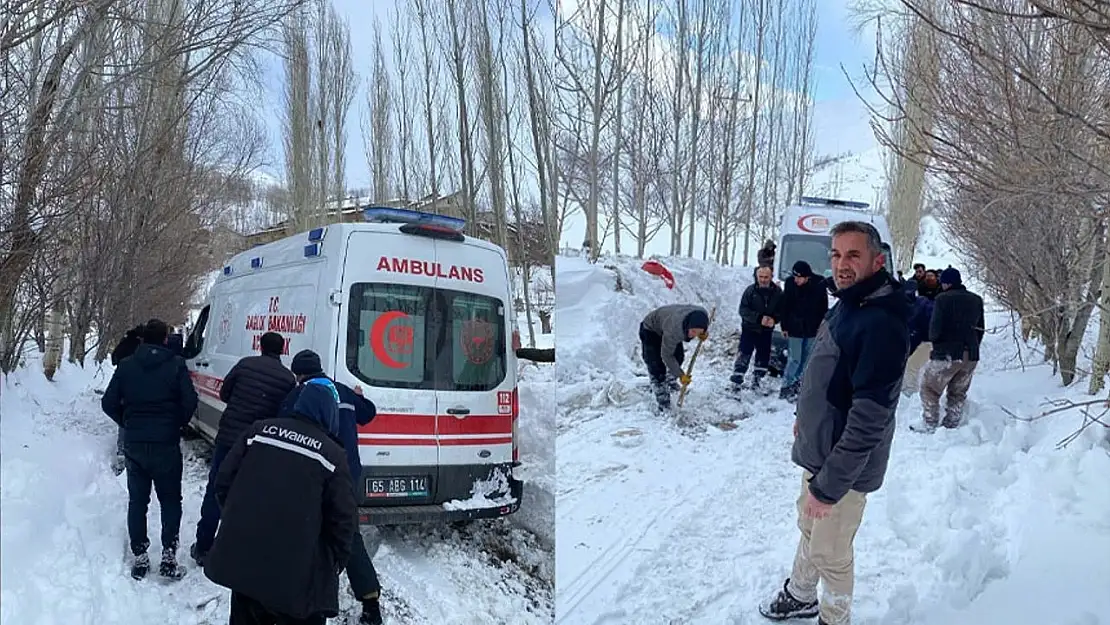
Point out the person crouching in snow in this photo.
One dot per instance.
(354, 410)
(844, 425)
(759, 311)
(288, 512)
(804, 304)
(662, 333)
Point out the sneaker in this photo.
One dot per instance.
(785, 606)
(371, 612)
(169, 568)
(141, 566)
(197, 555)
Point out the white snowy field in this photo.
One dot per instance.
(660, 523)
(62, 558)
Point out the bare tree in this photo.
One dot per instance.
(378, 138)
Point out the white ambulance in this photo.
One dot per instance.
(418, 315)
(804, 235)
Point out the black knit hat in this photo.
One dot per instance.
(802, 269)
(696, 319)
(306, 362)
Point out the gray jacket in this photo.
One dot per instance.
(667, 322)
(850, 390)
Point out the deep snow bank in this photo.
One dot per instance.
(989, 523)
(599, 308)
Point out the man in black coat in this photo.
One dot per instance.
(253, 390)
(956, 332)
(354, 410)
(288, 516)
(759, 311)
(131, 341)
(152, 397)
(845, 424)
(804, 304)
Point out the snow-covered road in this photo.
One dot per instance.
(64, 534)
(661, 523)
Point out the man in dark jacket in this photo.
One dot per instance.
(804, 304)
(929, 285)
(152, 398)
(759, 312)
(956, 332)
(288, 514)
(765, 257)
(911, 283)
(845, 424)
(131, 341)
(662, 333)
(253, 390)
(354, 410)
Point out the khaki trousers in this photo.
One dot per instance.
(911, 379)
(825, 554)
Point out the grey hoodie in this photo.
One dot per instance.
(668, 322)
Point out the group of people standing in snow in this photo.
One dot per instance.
(846, 371)
(279, 519)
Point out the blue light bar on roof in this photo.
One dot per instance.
(831, 202)
(317, 234)
(312, 250)
(256, 263)
(227, 270)
(386, 214)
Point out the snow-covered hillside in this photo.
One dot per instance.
(664, 523)
(64, 525)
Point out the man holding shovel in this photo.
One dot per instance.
(662, 334)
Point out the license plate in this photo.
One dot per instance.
(397, 487)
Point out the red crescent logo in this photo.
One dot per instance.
(377, 338)
(813, 223)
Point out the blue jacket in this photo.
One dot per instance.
(919, 321)
(850, 389)
(353, 412)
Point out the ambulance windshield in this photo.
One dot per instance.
(405, 336)
(812, 248)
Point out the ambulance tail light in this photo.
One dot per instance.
(516, 420)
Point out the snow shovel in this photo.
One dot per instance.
(694, 358)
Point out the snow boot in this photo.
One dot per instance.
(785, 606)
(141, 566)
(371, 612)
(923, 427)
(197, 556)
(662, 395)
(169, 568)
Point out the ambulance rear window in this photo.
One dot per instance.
(404, 336)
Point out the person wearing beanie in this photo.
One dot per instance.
(354, 410)
(760, 308)
(955, 331)
(804, 304)
(151, 396)
(288, 513)
(253, 390)
(662, 333)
